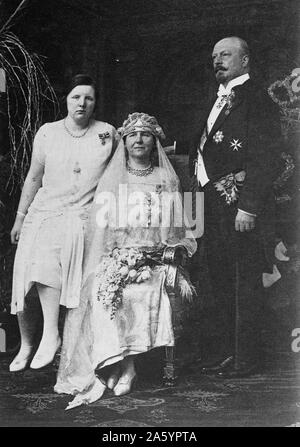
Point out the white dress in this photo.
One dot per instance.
(92, 339)
(51, 245)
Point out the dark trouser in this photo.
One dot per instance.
(235, 262)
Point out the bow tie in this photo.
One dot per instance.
(222, 92)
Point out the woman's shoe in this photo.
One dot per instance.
(20, 363)
(125, 385)
(95, 393)
(42, 360)
(113, 379)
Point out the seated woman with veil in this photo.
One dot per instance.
(124, 308)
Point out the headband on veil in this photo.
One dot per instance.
(139, 121)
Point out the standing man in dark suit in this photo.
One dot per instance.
(234, 161)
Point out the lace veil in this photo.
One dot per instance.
(109, 211)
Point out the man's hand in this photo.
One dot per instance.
(244, 222)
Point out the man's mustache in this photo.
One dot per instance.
(220, 68)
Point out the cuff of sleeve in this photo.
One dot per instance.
(249, 214)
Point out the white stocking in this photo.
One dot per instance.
(49, 298)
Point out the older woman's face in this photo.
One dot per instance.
(139, 145)
(81, 103)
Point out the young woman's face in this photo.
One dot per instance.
(81, 103)
(139, 145)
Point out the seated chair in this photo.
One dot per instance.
(175, 258)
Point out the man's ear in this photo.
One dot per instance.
(245, 60)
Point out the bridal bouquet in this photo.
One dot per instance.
(119, 268)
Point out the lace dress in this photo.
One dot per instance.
(50, 249)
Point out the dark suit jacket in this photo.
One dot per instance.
(253, 122)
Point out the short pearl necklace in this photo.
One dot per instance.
(73, 135)
(140, 172)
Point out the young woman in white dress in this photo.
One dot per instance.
(69, 157)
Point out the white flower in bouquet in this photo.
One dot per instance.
(112, 269)
(124, 271)
(112, 288)
(131, 261)
(138, 279)
(145, 275)
(132, 274)
(122, 255)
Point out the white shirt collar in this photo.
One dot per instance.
(236, 81)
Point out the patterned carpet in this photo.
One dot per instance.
(271, 398)
(268, 399)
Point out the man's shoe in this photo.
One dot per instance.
(236, 373)
(222, 366)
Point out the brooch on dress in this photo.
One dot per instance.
(103, 137)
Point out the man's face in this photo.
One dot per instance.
(228, 60)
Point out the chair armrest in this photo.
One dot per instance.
(175, 255)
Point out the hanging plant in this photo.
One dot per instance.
(29, 95)
(27, 99)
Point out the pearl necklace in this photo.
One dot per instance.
(73, 135)
(140, 172)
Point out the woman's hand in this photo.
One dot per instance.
(16, 230)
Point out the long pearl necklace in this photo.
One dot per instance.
(140, 172)
(73, 135)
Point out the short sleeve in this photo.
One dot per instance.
(39, 145)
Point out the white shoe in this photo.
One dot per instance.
(20, 362)
(42, 360)
(113, 379)
(89, 397)
(125, 385)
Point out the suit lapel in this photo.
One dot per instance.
(201, 126)
(206, 113)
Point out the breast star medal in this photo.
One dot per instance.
(235, 144)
